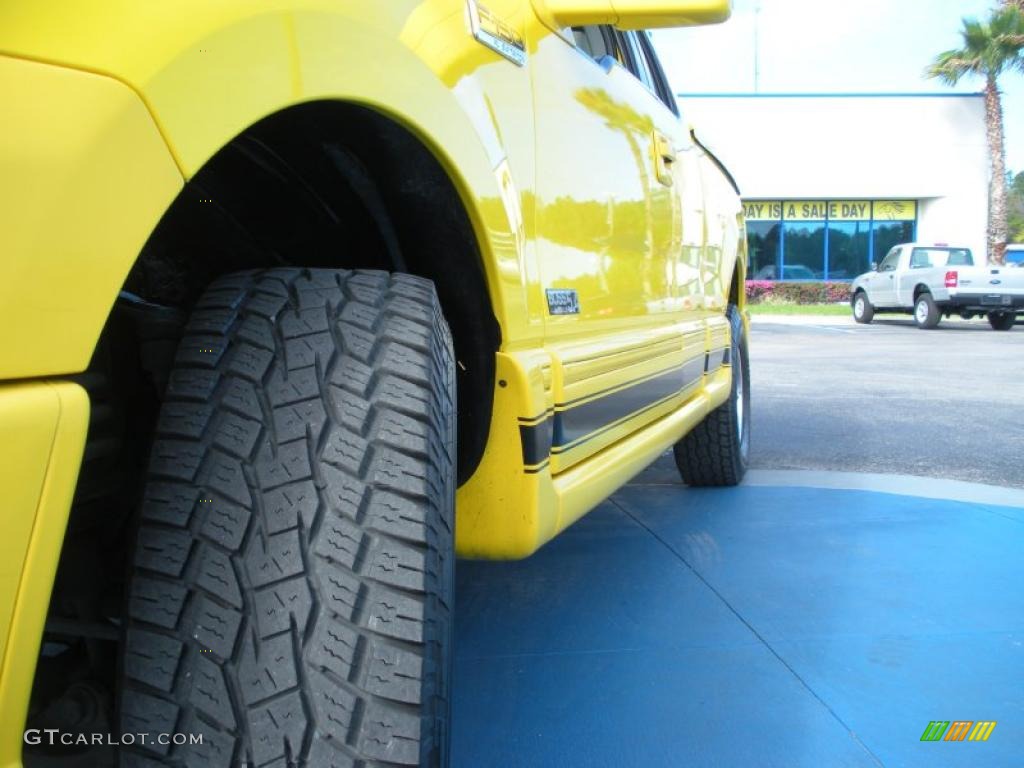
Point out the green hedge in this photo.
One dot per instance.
(768, 291)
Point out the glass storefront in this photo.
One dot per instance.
(889, 233)
(823, 239)
(803, 252)
(849, 249)
(762, 245)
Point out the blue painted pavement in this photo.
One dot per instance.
(750, 626)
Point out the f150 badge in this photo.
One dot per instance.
(563, 301)
(496, 34)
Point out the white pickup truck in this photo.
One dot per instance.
(930, 281)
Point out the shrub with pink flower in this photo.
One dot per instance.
(825, 292)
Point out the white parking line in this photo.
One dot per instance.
(837, 330)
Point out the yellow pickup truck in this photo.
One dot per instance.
(299, 300)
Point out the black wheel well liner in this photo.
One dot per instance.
(736, 291)
(334, 184)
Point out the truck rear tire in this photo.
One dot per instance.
(291, 588)
(1001, 321)
(926, 312)
(863, 312)
(716, 451)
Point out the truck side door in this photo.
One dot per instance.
(608, 227)
(882, 285)
(723, 223)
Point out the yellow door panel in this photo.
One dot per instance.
(689, 260)
(725, 234)
(608, 231)
(604, 222)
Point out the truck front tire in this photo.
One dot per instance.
(716, 451)
(863, 312)
(1001, 321)
(291, 588)
(926, 312)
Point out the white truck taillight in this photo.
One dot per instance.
(951, 279)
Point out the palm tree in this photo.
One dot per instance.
(990, 49)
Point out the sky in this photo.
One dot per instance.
(833, 46)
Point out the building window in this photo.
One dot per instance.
(890, 233)
(803, 256)
(763, 249)
(849, 249)
(823, 239)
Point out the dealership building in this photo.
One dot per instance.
(830, 182)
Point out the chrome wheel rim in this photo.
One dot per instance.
(741, 403)
(740, 407)
(922, 312)
(858, 307)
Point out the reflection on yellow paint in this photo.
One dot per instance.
(618, 262)
(510, 199)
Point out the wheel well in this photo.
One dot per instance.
(737, 293)
(329, 184)
(319, 185)
(919, 289)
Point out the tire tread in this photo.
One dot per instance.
(297, 523)
(710, 454)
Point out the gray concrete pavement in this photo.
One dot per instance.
(829, 394)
